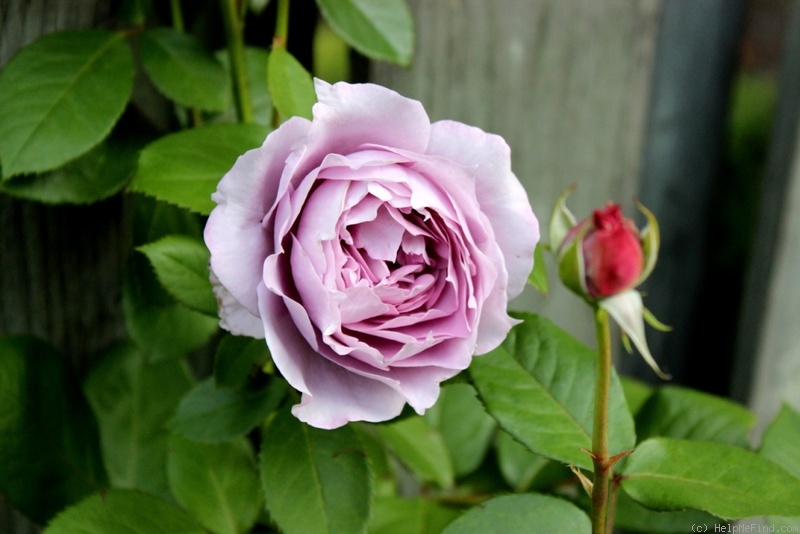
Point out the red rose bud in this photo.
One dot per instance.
(603, 255)
(612, 253)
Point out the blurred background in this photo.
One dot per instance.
(691, 106)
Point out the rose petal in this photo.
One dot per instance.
(234, 233)
(347, 116)
(502, 197)
(234, 317)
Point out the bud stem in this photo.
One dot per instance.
(602, 461)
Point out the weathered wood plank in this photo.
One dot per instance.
(768, 356)
(566, 83)
(60, 267)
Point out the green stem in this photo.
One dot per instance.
(177, 15)
(234, 29)
(281, 25)
(600, 456)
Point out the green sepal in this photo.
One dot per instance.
(651, 239)
(654, 322)
(627, 311)
(561, 221)
(571, 267)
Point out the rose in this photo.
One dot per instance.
(611, 247)
(374, 251)
(602, 259)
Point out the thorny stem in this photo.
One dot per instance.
(600, 456)
(234, 29)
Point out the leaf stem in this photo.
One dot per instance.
(177, 15)
(600, 456)
(234, 29)
(281, 25)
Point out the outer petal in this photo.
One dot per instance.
(234, 233)
(500, 194)
(234, 317)
(332, 395)
(347, 116)
(627, 310)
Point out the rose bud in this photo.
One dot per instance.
(602, 259)
(603, 255)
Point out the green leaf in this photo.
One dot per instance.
(528, 512)
(421, 448)
(98, 174)
(410, 516)
(466, 429)
(518, 465)
(256, 60)
(48, 438)
(153, 219)
(60, 96)
(181, 265)
(184, 168)
(132, 401)
(380, 29)
(212, 415)
(631, 515)
(636, 393)
(236, 359)
(538, 276)
(162, 328)
(126, 511)
(781, 440)
(729, 482)
(314, 480)
(184, 70)
(539, 386)
(683, 413)
(290, 85)
(218, 484)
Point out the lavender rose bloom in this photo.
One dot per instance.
(375, 251)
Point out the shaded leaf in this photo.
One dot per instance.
(781, 441)
(538, 276)
(729, 482)
(631, 515)
(98, 174)
(464, 425)
(410, 516)
(528, 512)
(182, 69)
(290, 85)
(162, 328)
(184, 168)
(236, 358)
(133, 400)
(421, 448)
(181, 265)
(217, 483)
(684, 413)
(539, 386)
(256, 60)
(380, 29)
(48, 438)
(518, 465)
(126, 511)
(211, 415)
(60, 96)
(636, 393)
(314, 480)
